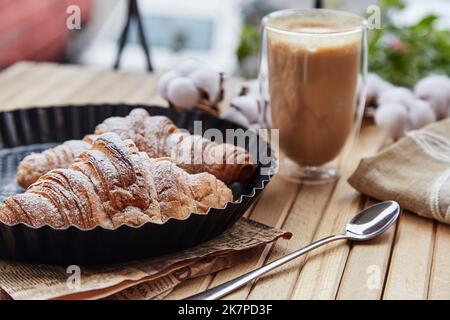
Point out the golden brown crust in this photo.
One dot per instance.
(113, 183)
(194, 153)
(35, 165)
(157, 136)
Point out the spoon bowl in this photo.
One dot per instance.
(372, 221)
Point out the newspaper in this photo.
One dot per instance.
(29, 281)
(161, 287)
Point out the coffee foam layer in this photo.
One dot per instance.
(313, 33)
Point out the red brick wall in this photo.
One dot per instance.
(35, 29)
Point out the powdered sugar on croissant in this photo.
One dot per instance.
(111, 184)
(35, 165)
(159, 137)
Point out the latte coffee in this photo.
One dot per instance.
(313, 80)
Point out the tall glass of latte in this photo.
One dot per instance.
(313, 66)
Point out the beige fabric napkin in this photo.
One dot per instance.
(415, 171)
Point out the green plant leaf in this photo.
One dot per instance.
(249, 43)
(405, 55)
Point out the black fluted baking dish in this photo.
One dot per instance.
(34, 130)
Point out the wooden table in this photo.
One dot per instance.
(411, 261)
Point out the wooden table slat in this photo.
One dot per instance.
(32, 80)
(12, 72)
(365, 271)
(409, 271)
(439, 287)
(49, 87)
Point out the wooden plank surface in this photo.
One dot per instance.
(410, 261)
(366, 268)
(303, 219)
(439, 288)
(410, 268)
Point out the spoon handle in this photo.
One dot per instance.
(236, 283)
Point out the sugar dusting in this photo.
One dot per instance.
(143, 189)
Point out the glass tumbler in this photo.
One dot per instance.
(312, 73)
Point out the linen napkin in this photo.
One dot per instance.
(415, 171)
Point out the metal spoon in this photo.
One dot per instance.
(366, 225)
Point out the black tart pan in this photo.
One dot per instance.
(34, 130)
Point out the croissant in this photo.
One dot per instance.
(159, 137)
(37, 164)
(113, 183)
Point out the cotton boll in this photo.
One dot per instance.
(182, 93)
(234, 115)
(164, 81)
(249, 100)
(188, 66)
(375, 86)
(249, 106)
(420, 114)
(436, 90)
(253, 87)
(394, 118)
(396, 95)
(207, 80)
(377, 83)
(249, 88)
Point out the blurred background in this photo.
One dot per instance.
(414, 40)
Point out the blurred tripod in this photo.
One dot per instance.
(133, 13)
